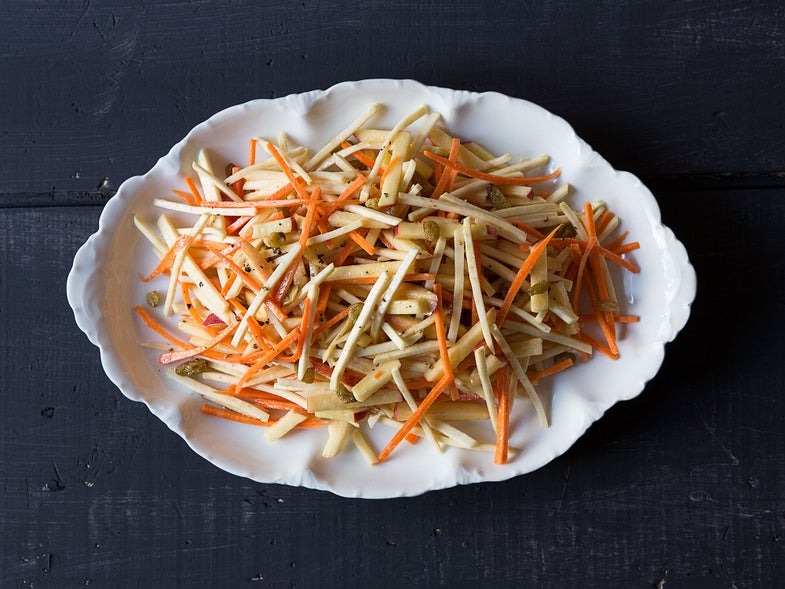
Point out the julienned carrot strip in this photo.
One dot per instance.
(153, 324)
(412, 439)
(303, 330)
(503, 429)
(347, 249)
(257, 334)
(618, 260)
(588, 214)
(528, 229)
(305, 233)
(232, 416)
(228, 285)
(324, 296)
(616, 318)
(360, 240)
(603, 221)
(332, 321)
(597, 345)
(252, 152)
(237, 224)
(618, 241)
(441, 337)
(576, 298)
(267, 357)
(554, 369)
(601, 318)
(341, 201)
(167, 259)
(523, 272)
(186, 196)
(189, 304)
(448, 176)
(604, 294)
(284, 165)
(169, 357)
(415, 417)
(244, 276)
(192, 187)
(359, 155)
(472, 173)
(465, 303)
(626, 248)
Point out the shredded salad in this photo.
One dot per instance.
(397, 277)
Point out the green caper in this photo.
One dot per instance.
(192, 367)
(496, 198)
(372, 203)
(310, 374)
(345, 395)
(276, 239)
(431, 230)
(538, 288)
(153, 298)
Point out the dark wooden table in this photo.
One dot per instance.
(682, 487)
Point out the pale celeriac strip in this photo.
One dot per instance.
(520, 373)
(358, 328)
(283, 266)
(474, 281)
(418, 113)
(388, 295)
(206, 178)
(480, 355)
(179, 259)
(284, 425)
(342, 136)
(211, 394)
(457, 303)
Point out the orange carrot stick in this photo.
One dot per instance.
(503, 429)
(558, 367)
(448, 177)
(267, 357)
(169, 357)
(232, 416)
(252, 152)
(167, 259)
(186, 196)
(415, 417)
(523, 272)
(294, 180)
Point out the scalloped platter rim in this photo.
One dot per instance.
(102, 290)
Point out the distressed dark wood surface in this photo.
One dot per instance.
(681, 487)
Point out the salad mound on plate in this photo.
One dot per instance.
(396, 277)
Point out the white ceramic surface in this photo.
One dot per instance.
(103, 289)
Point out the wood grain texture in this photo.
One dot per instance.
(101, 90)
(684, 483)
